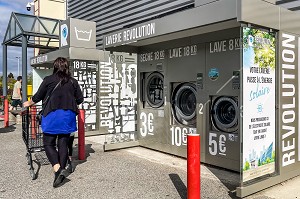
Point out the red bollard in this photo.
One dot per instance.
(6, 113)
(33, 122)
(193, 166)
(81, 136)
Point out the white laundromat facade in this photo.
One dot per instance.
(231, 77)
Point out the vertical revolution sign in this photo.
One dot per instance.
(289, 111)
(258, 103)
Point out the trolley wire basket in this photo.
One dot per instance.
(33, 138)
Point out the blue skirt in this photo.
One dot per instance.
(59, 122)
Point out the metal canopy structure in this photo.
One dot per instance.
(41, 32)
(28, 31)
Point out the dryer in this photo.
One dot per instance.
(151, 99)
(152, 90)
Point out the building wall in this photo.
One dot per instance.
(113, 15)
(52, 9)
(293, 5)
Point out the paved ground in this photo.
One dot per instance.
(129, 173)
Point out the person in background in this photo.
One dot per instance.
(17, 96)
(59, 114)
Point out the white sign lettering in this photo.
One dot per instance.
(179, 135)
(131, 34)
(217, 145)
(224, 45)
(117, 99)
(171, 53)
(39, 59)
(288, 93)
(146, 124)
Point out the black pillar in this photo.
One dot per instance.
(24, 68)
(4, 69)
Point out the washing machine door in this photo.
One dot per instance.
(154, 88)
(225, 114)
(184, 104)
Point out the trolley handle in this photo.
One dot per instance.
(24, 111)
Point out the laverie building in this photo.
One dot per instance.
(154, 71)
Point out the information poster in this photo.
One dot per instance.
(258, 103)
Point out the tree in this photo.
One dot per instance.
(29, 78)
(11, 81)
(10, 85)
(247, 166)
(264, 54)
(1, 87)
(10, 75)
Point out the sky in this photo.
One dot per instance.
(6, 8)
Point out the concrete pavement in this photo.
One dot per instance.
(128, 173)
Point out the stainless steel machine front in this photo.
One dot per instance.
(221, 116)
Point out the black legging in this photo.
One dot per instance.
(54, 156)
(70, 145)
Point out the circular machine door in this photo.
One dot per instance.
(184, 104)
(154, 90)
(225, 114)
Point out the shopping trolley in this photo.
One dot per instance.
(33, 137)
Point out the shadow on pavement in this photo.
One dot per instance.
(15, 112)
(88, 151)
(38, 169)
(179, 185)
(66, 180)
(41, 159)
(228, 178)
(7, 129)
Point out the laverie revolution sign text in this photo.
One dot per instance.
(130, 35)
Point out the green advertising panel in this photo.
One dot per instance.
(258, 103)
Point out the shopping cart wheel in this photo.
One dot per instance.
(32, 174)
(28, 158)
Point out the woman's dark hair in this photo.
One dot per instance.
(61, 69)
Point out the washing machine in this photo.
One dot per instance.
(220, 102)
(223, 138)
(181, 103)
(150, 110)
(224, 113)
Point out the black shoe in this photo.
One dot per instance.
(58, 177)
(69, 167)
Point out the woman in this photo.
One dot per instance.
(63, 95)
(70, 149)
